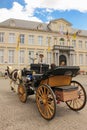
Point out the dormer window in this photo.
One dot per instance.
(12, 23)
(40, 27)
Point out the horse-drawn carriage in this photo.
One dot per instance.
(52, 87)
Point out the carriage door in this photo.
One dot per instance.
(62, 60)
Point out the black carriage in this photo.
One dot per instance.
(51, 87)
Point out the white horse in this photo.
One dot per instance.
(15, 76)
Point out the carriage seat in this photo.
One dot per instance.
(66, 88)
(66, 93)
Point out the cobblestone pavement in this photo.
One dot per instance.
(15, 115)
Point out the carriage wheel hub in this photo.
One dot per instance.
(44, 99)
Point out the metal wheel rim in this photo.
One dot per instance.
(79, 103)
(45, 100)
(22, 93)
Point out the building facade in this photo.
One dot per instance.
(22, 42)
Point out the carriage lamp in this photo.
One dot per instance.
(41, 57)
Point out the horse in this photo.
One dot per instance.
(15, 76)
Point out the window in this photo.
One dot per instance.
(55, 41)
(81, 59)
(12, 23)
(40, 40)
(74, 59)
(1, 37)
(80, 44)
(31, 57)
(11, 38)
(86, 59)
(1, 56)
(40, 27)
(21, 57)
(61, 41)
(11, 56)
(22, 38)
(31, 39)
(48, 41)
(74, 43)
(86, 44)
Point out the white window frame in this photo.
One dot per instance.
(22, 38)
(10, 56)
(75, 59)
(1, 56)
(86, 59)
(22, 57)
(74, 43)
(31, 56)
(80, 44)
(31, 39)
(48, 41)
(40, 40)
(12, 38)
(80, 59)
(1, 37)
(86, 44)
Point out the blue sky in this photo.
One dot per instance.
(45, 10)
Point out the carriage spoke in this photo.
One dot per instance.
(38, 95)
(22, 93)
(73, 104)
(76, 103)
(51, 106)
(45, 102)
(79, 103)
(70, 102)
(45, 90)
(80, 89)
(40, 91)
(49, 110)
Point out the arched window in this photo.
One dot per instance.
(61, 41)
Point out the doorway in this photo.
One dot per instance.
(62, 60)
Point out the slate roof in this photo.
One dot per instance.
(25, 24)
(81, 32)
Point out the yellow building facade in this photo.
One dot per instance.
(22, 42)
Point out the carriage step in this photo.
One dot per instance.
(66, 88)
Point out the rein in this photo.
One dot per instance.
(11, 74)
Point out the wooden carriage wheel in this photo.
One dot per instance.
(46, 102)
(22, 93)
(79, 103)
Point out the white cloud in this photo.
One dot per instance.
(27, 12)
(18, 12)
(58, 4)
